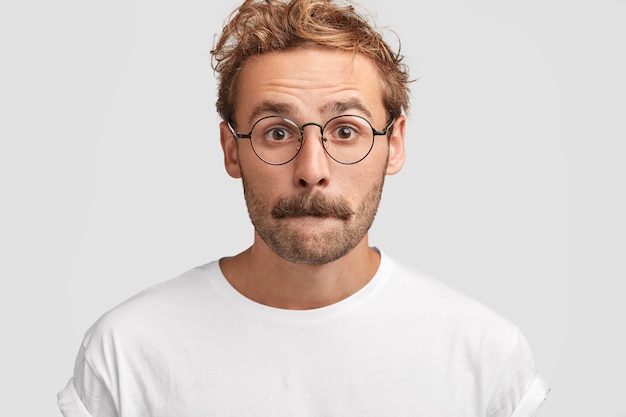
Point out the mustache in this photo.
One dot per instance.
(312, 205)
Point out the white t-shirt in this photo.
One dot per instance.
(404, 345)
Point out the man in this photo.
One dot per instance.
(310, 320)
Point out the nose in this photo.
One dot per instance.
(311, 164)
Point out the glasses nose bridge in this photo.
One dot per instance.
(319, 126)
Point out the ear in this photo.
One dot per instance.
(396, 146)
(229, 146)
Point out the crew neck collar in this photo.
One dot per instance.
(234, 297)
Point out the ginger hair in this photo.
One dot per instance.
(262, 26)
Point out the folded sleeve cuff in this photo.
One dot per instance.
(70, 403)
(532, 400)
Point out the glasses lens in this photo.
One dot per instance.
(276, 139)
(348, 139)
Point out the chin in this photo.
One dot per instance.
(314, 241)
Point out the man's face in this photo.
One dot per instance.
(311, 210)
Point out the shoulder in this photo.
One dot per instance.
(154, 309)
(463, 319)
(471, 336)
(430, 292)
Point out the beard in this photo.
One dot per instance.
(308, 241)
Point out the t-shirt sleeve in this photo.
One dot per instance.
(520, 391)
(533, 398)
(85, 394)
(70, 403)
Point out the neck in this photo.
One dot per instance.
(262, 276)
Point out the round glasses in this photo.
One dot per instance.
(277, 140)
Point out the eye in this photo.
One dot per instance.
(347, 130)
(277, 134)
(275, 130)
(345, 133)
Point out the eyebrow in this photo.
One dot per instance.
(271, 108)
(340, 107)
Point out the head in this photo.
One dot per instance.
(310, 61)
(262, 26)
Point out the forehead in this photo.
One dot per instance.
(308, 82)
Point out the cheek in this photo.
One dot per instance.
(261, 187)
(358, 181)
(370, 170)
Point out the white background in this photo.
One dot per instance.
(513, 192)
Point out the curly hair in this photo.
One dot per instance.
(262, 26)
